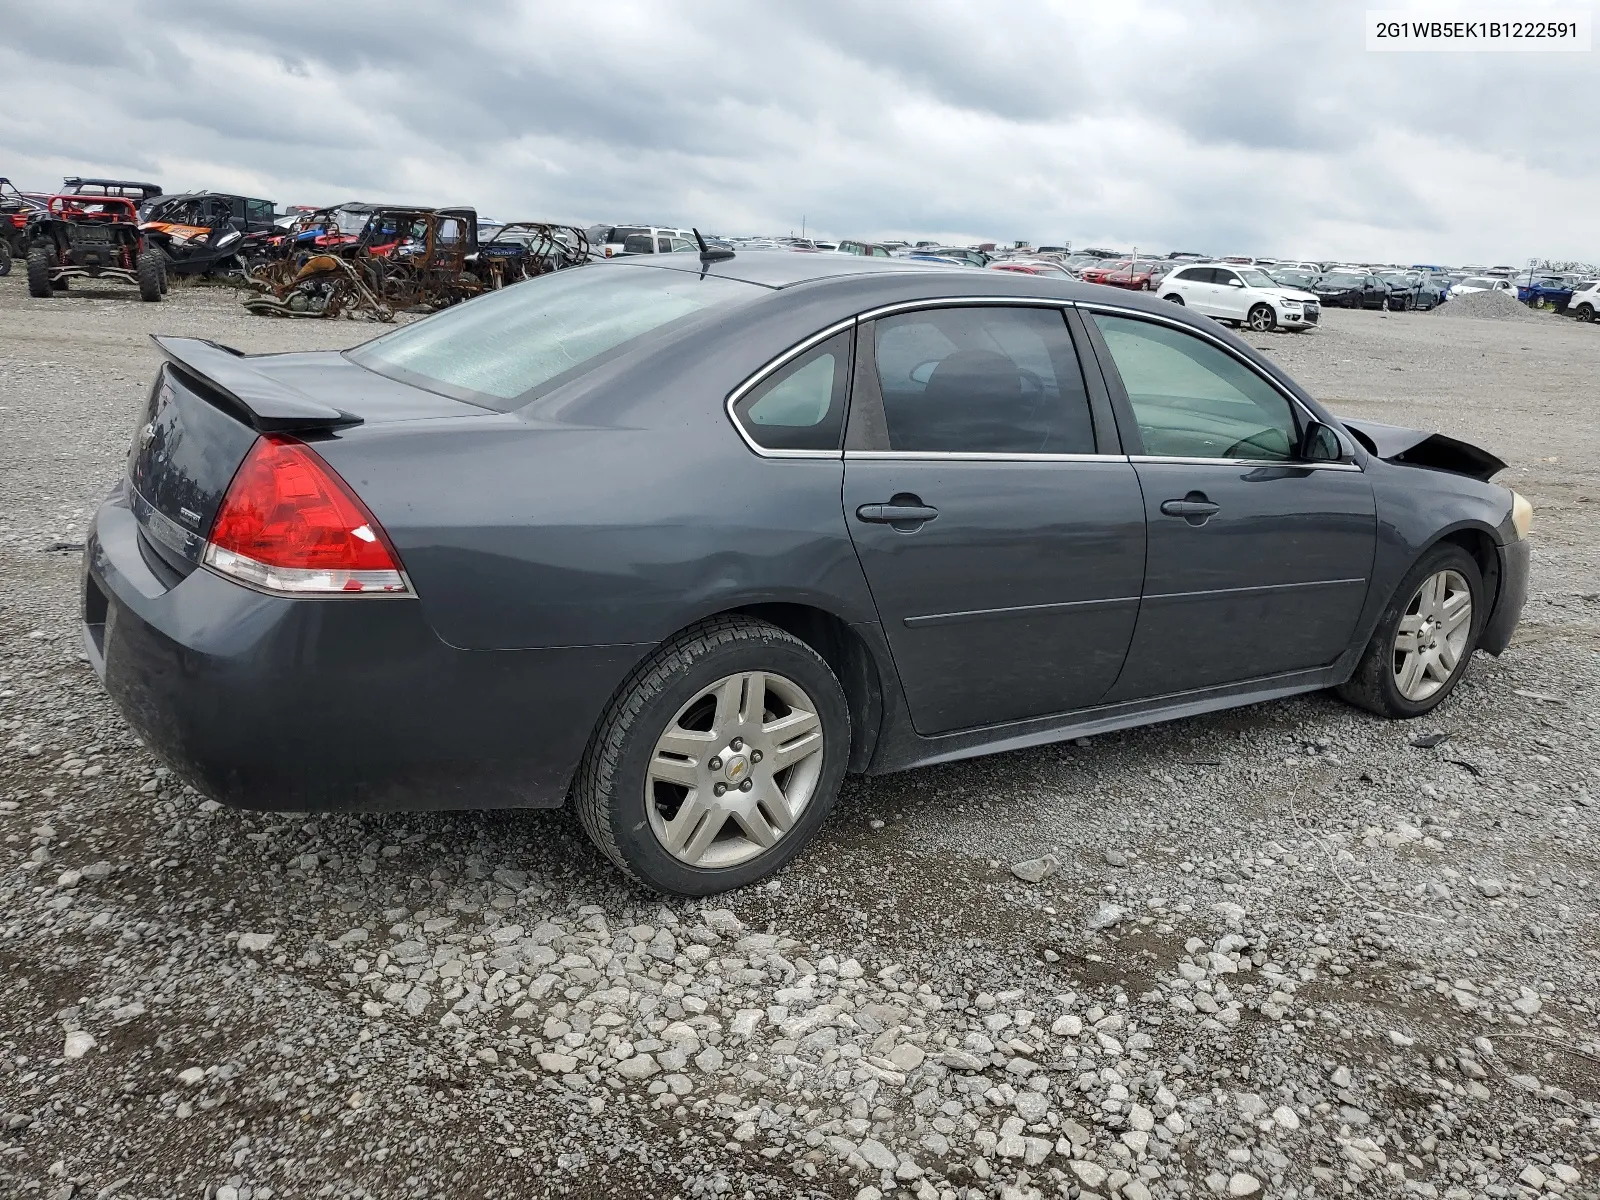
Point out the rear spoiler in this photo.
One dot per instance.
(266, 403)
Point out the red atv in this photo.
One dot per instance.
(92, 237)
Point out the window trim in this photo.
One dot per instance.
(1098, 369)
(1125, 412)
(762, 372)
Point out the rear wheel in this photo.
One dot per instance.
(1175, 299)
(150, 275)
(5, 258)
(719, 759)
(1425, 638)
(1262, 318)
(39, 273)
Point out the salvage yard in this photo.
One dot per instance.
(1284, 951)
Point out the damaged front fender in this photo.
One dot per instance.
(1416, 448)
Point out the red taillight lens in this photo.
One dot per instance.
(289, 524)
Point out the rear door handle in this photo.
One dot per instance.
(896, 514)
(1195, 508)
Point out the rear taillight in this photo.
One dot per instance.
(289, 524)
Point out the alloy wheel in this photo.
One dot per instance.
(1261, 318)
(734, 769)
(1432, 636)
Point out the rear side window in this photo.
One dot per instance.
(503, 348)
(800, 406)
(1196, 275)
(982, 380)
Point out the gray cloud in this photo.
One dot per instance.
(1213, 126)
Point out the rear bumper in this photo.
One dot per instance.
(270, 703)
(1515, 559)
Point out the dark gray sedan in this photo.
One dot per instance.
(686, 538)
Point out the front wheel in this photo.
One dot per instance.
(39, 273)
(151, 269)
(1424, 640)
(1262, 318)
(719, 759)
(1586, 313)
(1175, 299)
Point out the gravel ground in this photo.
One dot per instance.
(1284, 951)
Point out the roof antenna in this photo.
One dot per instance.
(707, 254)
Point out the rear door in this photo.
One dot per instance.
(999, 526)
(1229, 301)
(1197, 288)
(1258, 560)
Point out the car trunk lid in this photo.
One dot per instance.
(207, 407)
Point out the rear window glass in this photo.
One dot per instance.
(498, 348)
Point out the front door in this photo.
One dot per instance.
(1004, 550)
(1258, 560)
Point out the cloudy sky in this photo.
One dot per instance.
(1237, 127)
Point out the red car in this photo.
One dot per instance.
(1133, 274)
(1098, 272)
(1023, 267)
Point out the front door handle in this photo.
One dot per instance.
(905, 511)
(1194, 508)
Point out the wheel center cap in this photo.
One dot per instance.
(736, 768)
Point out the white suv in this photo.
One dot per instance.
(1585, 302)
(1247, 295)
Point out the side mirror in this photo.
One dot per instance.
(1238, 283)
(1320, 443)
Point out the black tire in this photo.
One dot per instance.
(164, 283)
(1175, 299)
(609, 792)
(150, 274)
(5, 258)
(1373, 686)
(39, 273)
(1585, 313)
(1262, 319)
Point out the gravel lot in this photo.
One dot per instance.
(1284, 951)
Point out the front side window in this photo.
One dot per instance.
(1193, 400)
(800, 406)
(982, 380)
(499, 348)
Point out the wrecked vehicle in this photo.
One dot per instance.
(983, 557)
(92, 237)
(206, 233)
(524, 249)
(323, 285)
(15, 209)
(404, 258)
